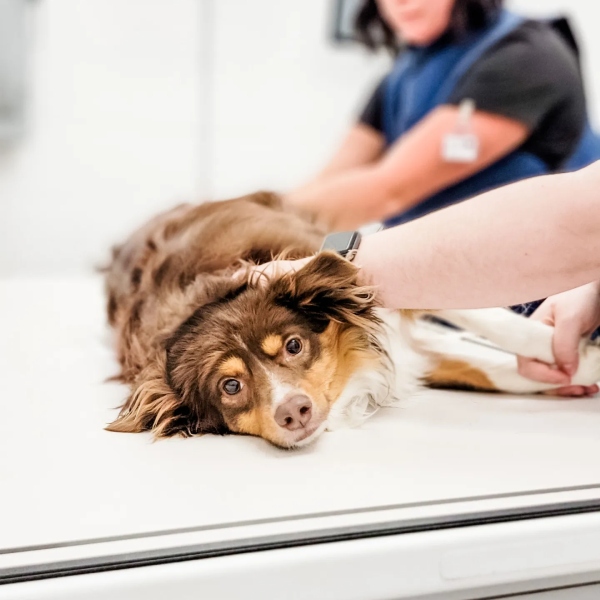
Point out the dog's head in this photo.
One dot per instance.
(268, 360)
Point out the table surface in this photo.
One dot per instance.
(64, 478)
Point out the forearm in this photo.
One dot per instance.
(346, 201)
(362, 146)
(358, 153)
(411, 171)
(518, 243)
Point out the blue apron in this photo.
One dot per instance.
(424, 78)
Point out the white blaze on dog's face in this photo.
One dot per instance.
(271, 361)
(271, 384)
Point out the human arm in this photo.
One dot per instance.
(530, 239)
(411, 170)
(361, 146)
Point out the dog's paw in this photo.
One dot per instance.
(588, 372)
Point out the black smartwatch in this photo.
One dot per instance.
(345, 243)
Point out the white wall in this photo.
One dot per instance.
(114, 129)
(137, 104)
(283, 94)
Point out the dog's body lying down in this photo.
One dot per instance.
(204, 351)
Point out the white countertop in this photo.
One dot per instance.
(63, 478)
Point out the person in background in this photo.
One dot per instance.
(478, 97)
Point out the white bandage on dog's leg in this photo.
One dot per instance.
(506, 329)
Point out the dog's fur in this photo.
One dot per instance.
(206, 350)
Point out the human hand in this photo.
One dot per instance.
(261, 274)
(573, 314)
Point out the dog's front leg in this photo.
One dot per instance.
(508, 330)
(525, 337)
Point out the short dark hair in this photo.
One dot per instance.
(467, 15)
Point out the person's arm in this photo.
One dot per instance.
(411, 170)
(362, 146)
(526, 240)
(523, 241)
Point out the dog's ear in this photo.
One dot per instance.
(326, 289)
(154, 406)
(167, 399)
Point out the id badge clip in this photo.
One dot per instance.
(462, 145)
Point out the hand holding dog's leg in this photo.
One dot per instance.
(534, 339)
(574, 315)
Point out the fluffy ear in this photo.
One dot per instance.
(327, 289)
(154, 406)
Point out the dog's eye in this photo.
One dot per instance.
(293, 346)
(232, 387)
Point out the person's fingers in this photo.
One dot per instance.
(539, 371)
(565, 344)
(573, 391)
(262, 274)
(568, 391)
(243, 272)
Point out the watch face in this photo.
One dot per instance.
(341, 242)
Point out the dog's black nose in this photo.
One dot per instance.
(294, 413)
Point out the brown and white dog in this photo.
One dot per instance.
(205, 351)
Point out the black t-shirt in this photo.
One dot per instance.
(531, 76)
